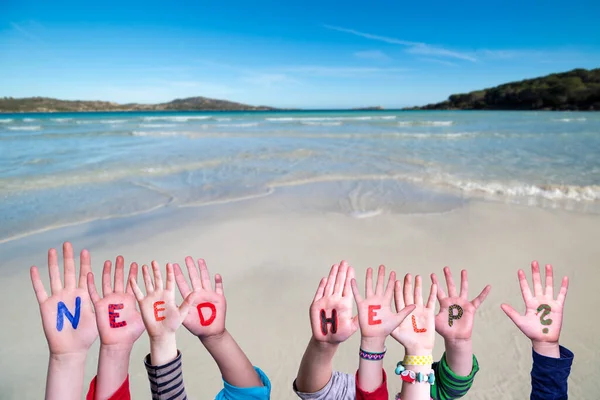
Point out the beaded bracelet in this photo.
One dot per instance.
(412, 376)
(367, 355)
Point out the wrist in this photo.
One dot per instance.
(372, 344)
(458, 344)
(548, 349)
(68, 358)
(417, 351)
(163, 349)
(215, 339)
(322, 345)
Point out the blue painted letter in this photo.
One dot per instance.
(64, 311)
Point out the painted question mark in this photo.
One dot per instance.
(546, 310)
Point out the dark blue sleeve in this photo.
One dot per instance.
(549, 376)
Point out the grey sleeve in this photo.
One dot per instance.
(340, 387)
(166, 381)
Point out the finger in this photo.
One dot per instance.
(320, 290)
(549, 281)
(525, 291)
(158, 281)
(92, 288)
(562, 295)
(418, 290)
(170, 278)
(69, 265)
(54, 272)
(347, 286)
(403, 313)
(219, 284)
(85, 267)
(147, 279)
(133, 274)
(398, 298)
(182, 284)
(432, 296)
(464, 284)
(106, 288)
(450, 283)
(409, 297)
(357, 297)
(512, 314)
(440, 291)
(38, 285)
(482, 296)
(193, 273)
(329, 286)
(205, 275)
(369, 283)
(380, 280)
(134, 286)
(340, 279)
(119, 286)
(389, 289)
(537, 279)
(186, 306)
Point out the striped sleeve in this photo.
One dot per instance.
(448, 385)
(166, 381)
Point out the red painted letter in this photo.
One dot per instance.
(414, 321)
(372, 314)
(156, 310)
(113, 315)
(213, 313)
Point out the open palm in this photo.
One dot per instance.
(118, 319)
(160, 313)
(333, 302)
(210, 304)
(457, 314)
(417, 332)
(542, 321)
(64, 336)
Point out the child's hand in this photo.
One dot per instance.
(543, 315)
(416, 333)
(67, 316)
(331, 310)
(375, 314)
(457, 314)
(209, 320)
(119, 322)
(161, 315)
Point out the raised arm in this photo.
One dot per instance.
(542, 324)
(119, 324)
(332, 323)
(68, 321)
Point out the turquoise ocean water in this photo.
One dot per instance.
(58, 169)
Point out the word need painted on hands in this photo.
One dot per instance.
(452, 316)
(62, 312)
(157, 310)
(113, 315)
(213, 313)
(325, 321)
(414, 323)
(546, 310)
(373, 314)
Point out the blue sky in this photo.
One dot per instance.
(309, 54)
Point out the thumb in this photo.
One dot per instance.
(355, 323)
(186, 305)
(405, 312)
(512, 314)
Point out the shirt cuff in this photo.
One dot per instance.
(381, 393)
(231, 392)
(167, 379)
(564, 361)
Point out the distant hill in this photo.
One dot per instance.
(577, 90)
(46, 104)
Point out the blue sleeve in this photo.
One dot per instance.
(230, 392)
(549, 376)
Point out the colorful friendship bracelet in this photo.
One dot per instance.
(417, 360)
(412, 376)
(367, 355)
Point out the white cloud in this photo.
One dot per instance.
(27, 32)
(443, 62)
(376, 55)
(413, 47)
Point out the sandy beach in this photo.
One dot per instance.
(272, 251)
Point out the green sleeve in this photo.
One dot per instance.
(448, 385)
